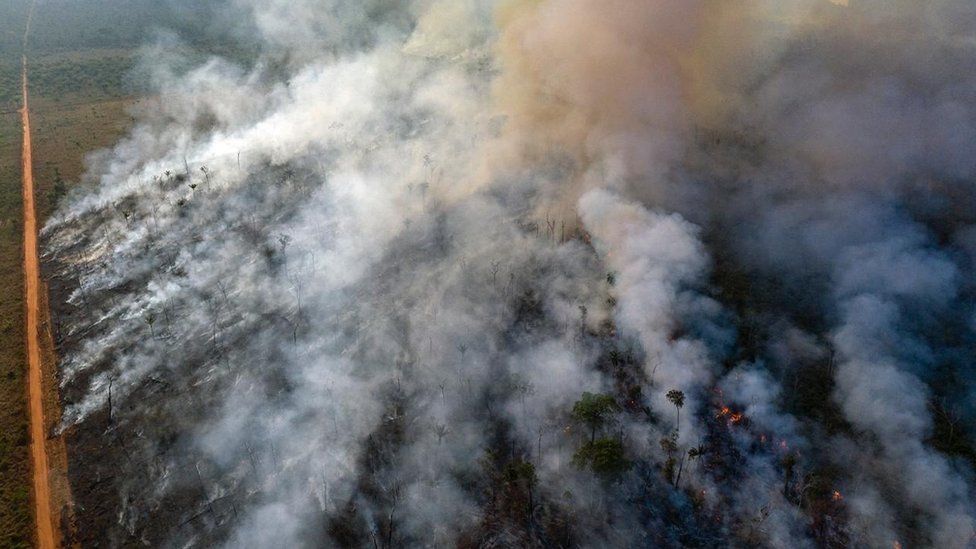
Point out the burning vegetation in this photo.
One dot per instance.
(558, 273)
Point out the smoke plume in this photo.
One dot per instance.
(509, 273)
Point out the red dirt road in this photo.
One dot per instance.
(32, 282)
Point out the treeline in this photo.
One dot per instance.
(106, 76)
(69, 25)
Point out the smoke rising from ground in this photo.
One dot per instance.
(354, 294)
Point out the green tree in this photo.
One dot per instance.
(604, 456)
(595, 411)
(58, 190)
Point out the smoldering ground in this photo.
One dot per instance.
(434, 273)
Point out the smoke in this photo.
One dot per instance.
(356, 292)
(658, 261)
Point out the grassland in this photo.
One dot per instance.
(16, 520)
(64, 133)
(15, 511)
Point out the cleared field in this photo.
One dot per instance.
(64, 133)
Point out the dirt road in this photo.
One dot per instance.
(32, 282)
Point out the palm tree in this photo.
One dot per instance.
(678, 399)
(693, 453)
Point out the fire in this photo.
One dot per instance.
(896, 545)
(734, 417)
(837, 496)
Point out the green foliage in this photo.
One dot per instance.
(67, 77)
(595, 411)
(603, 456)
(9, 84)
(58, 190)
(15, 509)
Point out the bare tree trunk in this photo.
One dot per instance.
(681, 467)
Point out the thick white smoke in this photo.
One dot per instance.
(354, 294)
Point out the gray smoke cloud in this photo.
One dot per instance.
(352, 294)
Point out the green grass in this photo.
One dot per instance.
(16, 516)
(9, 84)
(16, 526)
(63, 77)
